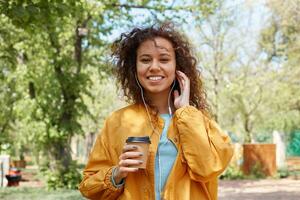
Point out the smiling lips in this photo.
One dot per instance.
(155, 78)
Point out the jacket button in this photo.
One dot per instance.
(175, 140)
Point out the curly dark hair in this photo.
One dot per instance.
(124, 52)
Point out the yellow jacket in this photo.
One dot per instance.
(204, 151)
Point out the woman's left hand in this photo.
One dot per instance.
(184, 98)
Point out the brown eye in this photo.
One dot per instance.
(164, 60)
(145, 60)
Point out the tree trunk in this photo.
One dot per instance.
(248, 138)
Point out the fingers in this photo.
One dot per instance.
(180, 81)
(184, 81)
(130, 156)
(184, 97)
(129, 148)
(129, 163)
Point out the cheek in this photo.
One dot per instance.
(172, 78)
(141, 68)
(140, 72)
(172, 72)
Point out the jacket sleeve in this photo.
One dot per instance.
(206, 149)
(96, 183)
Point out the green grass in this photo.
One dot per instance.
(15, 193)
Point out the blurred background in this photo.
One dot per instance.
(57, 87)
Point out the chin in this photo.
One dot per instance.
(157, 90)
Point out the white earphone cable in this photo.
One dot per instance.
(154, 130)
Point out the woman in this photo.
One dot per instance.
(188, 151)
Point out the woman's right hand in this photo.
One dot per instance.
(129, 158)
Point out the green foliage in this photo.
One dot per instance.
(9, 93)
(263, 137)
(36, 13)
(283, 172)
(280, 41)
(68, 179)
(232, 173)
(256, 89)
(256, 172)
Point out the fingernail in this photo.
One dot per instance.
(134, 147)
(141, 154)
(140, 161)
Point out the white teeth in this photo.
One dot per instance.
(155, 78)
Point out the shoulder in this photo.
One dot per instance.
(120, 123)
(129, 112)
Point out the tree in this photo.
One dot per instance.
(280, 42)
(240, 83)
(215, 57)
(9, 94)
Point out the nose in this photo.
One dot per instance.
(154, 66)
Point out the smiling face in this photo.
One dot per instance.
(156, 65)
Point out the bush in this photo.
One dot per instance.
(256, 172)
(232, 173)
(282, 172)
(68, 179)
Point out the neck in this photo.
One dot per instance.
(160, 101)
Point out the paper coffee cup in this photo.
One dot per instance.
(143, 146)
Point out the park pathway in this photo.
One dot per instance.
(267, 189)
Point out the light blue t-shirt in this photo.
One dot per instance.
(165, 157)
